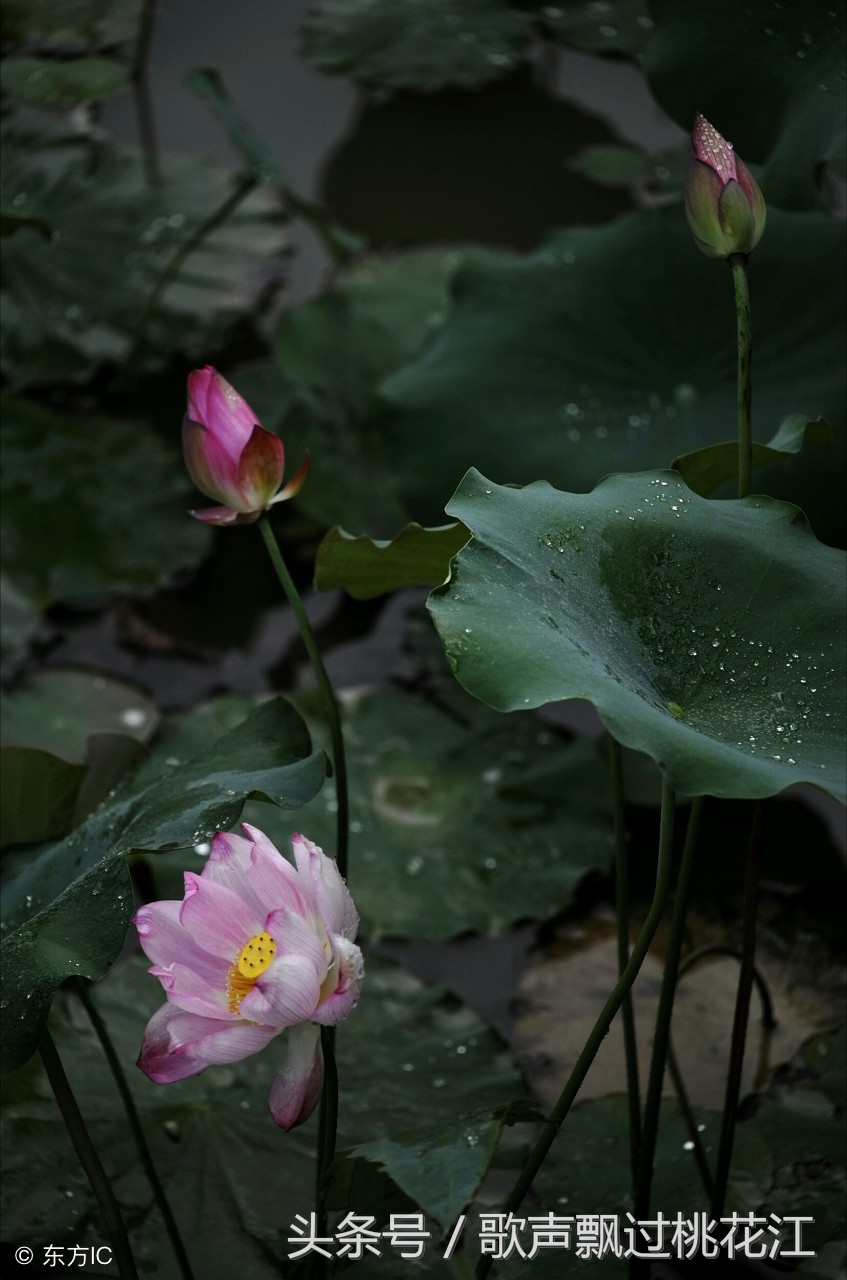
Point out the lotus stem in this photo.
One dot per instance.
(633, 1091)
(738, 262)
(553, 1124)
(88, 1158)
(742, 1014)
(135, 1128)
(661, 1039)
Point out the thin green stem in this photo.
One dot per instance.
(742, 1014)
(653, 1101)
(135, 1127)
(552, 1125)
(331, 1107)
(690, 1120)
(330, 702)
(141, 93)
(768, 1022)
(622, 907)
(240, 191)
(88, 1158)
(738, 262)
(328, 1115)
(327, 1129)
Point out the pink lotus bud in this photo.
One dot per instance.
(229, 456)
(725, 208)
(260, 946)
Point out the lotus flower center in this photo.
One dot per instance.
(252, 960)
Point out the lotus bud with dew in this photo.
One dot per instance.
(725, 208)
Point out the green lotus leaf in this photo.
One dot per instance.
(709, 635)
(770, 77)
(401, 44)
(66, 907)
(614, 27)
(91, 507)
(611, 349)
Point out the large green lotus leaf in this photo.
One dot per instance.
(73, 303)
(770, 77)
(460, 820)
(235, 1181)
(91, 506)
(614, 349)
(70, 25)
(709, 635)
(66, 907)
(402, 44)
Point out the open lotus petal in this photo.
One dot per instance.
(257, 946)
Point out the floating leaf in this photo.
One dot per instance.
(440, 1167)
(801, 1124)
(66, 907)
(616, 166)
(616, 26)
(47, 82)
(366, 568)
(74, 304)
(228, 1172)
(460, 820)
(91, 506)
(57, 711)
(706, 469)
(401, 44)
(640, 595)
(70, 25)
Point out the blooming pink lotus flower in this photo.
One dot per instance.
(257, 946)
(229, 456)
(725, 208)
